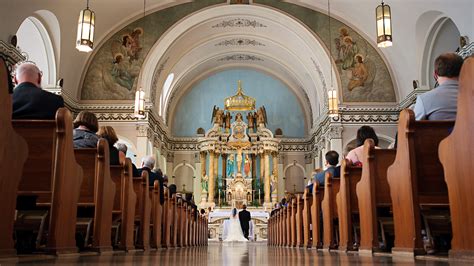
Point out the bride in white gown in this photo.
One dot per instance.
(234, 231)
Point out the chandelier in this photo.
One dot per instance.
(240, 101)
(85, 30)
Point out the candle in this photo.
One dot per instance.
(259, 197)
(219, 196)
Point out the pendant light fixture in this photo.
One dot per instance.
(383, 16)
(85, 30)
(333, 109)
(140, 94)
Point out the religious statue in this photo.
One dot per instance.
(230, 166)
(239, 161)
(273, 181)
(228, 118)
(247, 163)
(238, 117)
(261, 116)
(251, 120)
(217, 116)
(204, 180)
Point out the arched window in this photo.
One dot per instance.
(35, 42)
(165, 91)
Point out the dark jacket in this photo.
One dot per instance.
(152, 177)
(244, 217)
(114, 155)
(31, 102)
(85, 139)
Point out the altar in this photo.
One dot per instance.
(239, 158)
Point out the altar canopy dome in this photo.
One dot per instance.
(240, 101)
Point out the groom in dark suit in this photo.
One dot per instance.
(244, 217)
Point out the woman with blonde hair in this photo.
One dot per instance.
(108, 133)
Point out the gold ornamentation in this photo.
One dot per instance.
(240, 101)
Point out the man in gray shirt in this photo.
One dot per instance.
(441, 102)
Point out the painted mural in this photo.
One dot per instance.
(364, 75)
(114, 69)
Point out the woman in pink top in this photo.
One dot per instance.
(364, 132)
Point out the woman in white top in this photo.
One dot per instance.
(364, 132)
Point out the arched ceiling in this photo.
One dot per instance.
(238, 36)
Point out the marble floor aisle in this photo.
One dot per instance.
(227, 254)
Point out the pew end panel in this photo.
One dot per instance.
(456, 153)
(13, 155)
(373, 192)
(347, 205)
(415, 177)
(53, 175)
(329, 210)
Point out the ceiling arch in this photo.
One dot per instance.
(242, 37)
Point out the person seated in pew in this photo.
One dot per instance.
(441, 102)
(172, 189)
(30, 101)
(363, 133)
(332, 160)
(116, 157)
(86, 126)
(165, 181)
(148, 163)
(123, 148)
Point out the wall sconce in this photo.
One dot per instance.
(383, 17)
(333, 109)
(139, 104)
(85, 30)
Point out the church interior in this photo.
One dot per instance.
(338, 125)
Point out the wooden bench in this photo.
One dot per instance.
(456, 153)
(317, 197)
(13, 154)
(52, 174)
(372, 192)
(98, 192)
(157, 215)
(166, 218)
(299, 220)
(125, 202)
(347, 205)
(329, 209)
(143, 210)
(416, 178)
(307, 202)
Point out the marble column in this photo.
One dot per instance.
(267, 177)
(275, 173)
(211, 184)
(262, 174)
(216, 173)
(202, 158)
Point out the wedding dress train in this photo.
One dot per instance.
(234, 231)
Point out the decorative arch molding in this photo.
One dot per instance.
(294, 164)
(184, 164)
(428, 27)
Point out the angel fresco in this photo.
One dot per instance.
(359, 73)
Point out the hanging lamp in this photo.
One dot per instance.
(333, 108)
(140, 93)
(383, 16)
(85, 30)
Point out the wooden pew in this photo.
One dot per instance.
(329, 208)
(372, 192)
(416, 178)
(157, 215)
(166, 234)
(143, 210)
(125, 202)
(13, 154)
(456, 154)
(316, 216)
(173, 218)
(180, 220)
(299, 220)
(308, 200)
(293, 205)
(52, 174)
(98, 192)
(347, 204)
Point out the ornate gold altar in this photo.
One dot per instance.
(241, 150)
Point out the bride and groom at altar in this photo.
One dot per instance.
(237, 228)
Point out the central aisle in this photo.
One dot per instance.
(218, 253)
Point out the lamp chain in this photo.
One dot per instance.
(330, 41)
